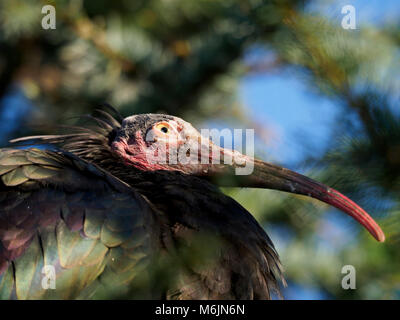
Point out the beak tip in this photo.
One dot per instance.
(381, 237)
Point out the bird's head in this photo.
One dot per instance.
(152, 142)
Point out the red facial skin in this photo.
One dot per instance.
(135, 154)
(141, 154)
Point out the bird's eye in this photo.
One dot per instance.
(163, 127)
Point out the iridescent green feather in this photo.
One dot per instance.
(82, 259)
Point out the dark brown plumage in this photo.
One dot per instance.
(107, 219)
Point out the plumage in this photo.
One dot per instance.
(111, 229)
(44, 222)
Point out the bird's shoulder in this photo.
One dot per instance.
(30, 168)
(59, 210)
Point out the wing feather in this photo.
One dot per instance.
(58, 210)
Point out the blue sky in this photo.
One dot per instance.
(303, 120)
(298, 117)
(10, 116)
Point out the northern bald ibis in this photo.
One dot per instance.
(98, 211)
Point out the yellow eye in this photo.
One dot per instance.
(164, 127)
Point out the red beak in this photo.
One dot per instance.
(269, 176)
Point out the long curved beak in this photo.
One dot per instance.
(268, 176)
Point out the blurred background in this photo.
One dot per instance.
(323, 101)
